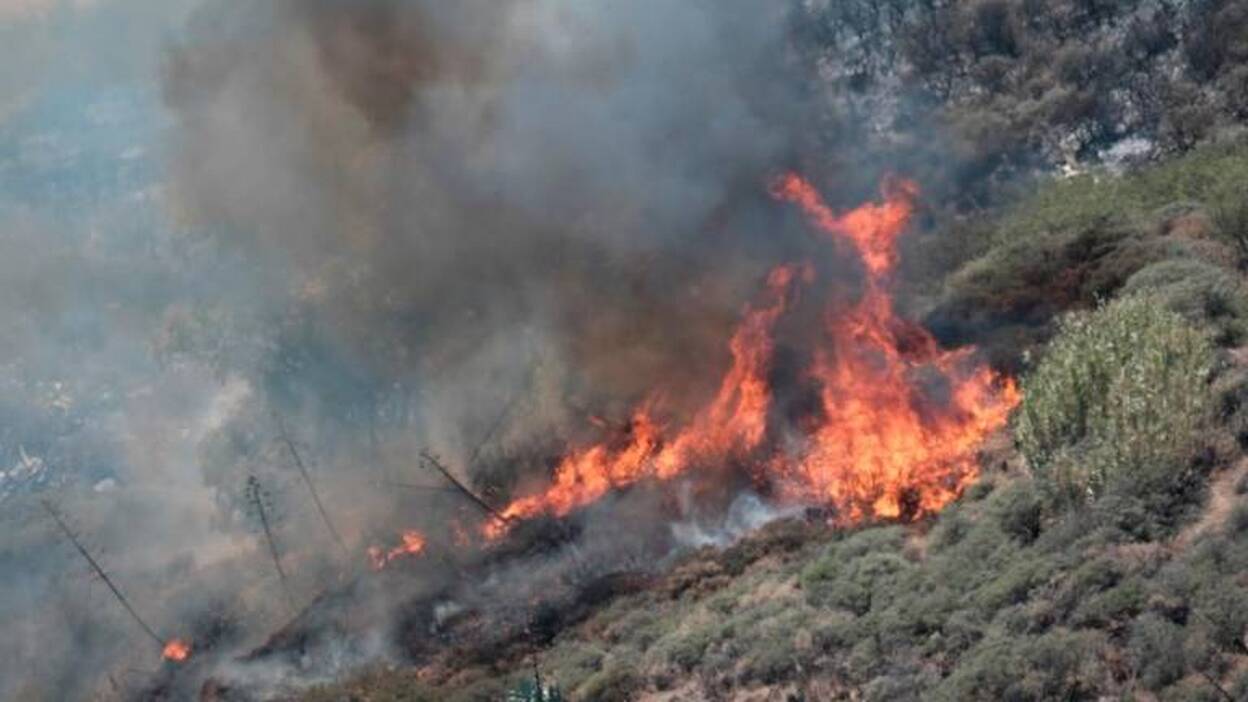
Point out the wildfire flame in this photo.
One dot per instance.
(412, 543)
(885, 447)
(735, 419)
(899, 422)
(176, 650)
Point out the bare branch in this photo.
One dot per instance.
(307, 480)
(463, 489)
(73, 539)
(257, 500)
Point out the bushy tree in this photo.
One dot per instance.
(1121, 395)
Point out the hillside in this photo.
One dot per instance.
(540, 350)
(1128, 587)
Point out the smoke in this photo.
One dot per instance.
(745, 515)
(472, 225)
(553, 204)
(391, 226)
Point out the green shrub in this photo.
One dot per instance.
(1156, 647)
(990, 671)
(837, 630)
(1060, 665)
(1223, 608)
(1121, 395)
(770, 664)
(1107, 609)
(1237, 521)
(1020, 512)
(906, 683)
(835, 577)
(616, 683)
(1013, 585)
(861, 584)
(1230, 213)
(950, 529)
(685, 649)
(1204, 294)
(575, 666)
(1070, 240)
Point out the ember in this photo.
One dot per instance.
(176, 650)
(883, 445)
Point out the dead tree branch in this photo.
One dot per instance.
(307, 480)
(463, 489)
(257, 501)
(73, 539)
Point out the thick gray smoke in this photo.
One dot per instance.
(561, 201)
(327, 236)
(389, 226)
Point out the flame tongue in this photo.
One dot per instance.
(176, 650)
(872, 228)
(735, 421)
(884, 448)
(884, 445)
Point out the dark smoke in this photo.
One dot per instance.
(456, 194)
(461, 227)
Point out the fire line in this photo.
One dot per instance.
(881, 447)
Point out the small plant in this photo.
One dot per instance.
(1122, 394)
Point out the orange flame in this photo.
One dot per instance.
(873, 228)
(176, 650)
(885, 447)
(900, 420)
(412, 543)
(734, 421)
(585, 476)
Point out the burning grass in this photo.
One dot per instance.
(899, 420)
(1001, 595)
(982, 610)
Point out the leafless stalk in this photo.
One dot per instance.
(307, 480)
(463, 489)
(73, 539)
(257, 501)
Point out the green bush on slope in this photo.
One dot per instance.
(1072, 241)
(1121, 395)
(1208, 296)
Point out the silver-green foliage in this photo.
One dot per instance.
(1208, 296)
(1121, 394)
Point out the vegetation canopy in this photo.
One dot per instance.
(1121, 394)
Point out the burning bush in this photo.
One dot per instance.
(1121, 394)
(900, 419)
